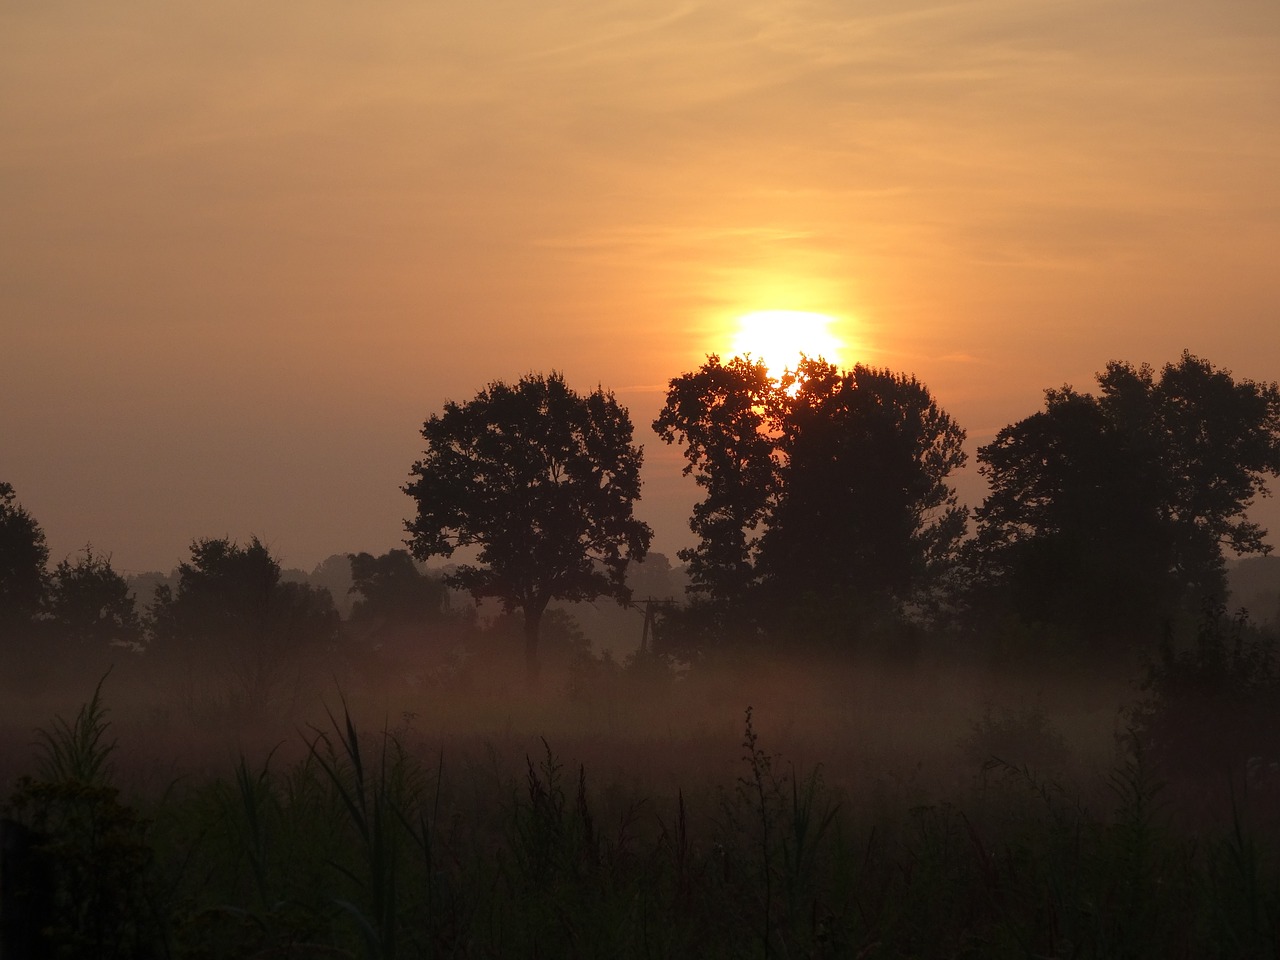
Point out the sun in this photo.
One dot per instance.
(779, 337)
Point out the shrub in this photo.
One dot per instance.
(1212, 707)
(1022, 737)
(85, 854)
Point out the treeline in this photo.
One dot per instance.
(828, 511)
(828, 522)
(231, 619)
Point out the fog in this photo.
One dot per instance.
(900, 732)
(242, 761)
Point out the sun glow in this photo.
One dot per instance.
(779, 337)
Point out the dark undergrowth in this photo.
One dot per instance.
(359, 847)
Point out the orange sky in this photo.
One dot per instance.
(246, 249)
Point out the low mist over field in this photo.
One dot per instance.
(736, 797)
(906, 725)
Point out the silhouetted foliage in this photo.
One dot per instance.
(721, 415)
(655, 577)
(143, 587)
(1213, 705)
(23, 555)
(1110, 512)
(863, 507)
(542, 482)
(224, 593)
(82, 880)
(372, 844)
(688, 633)
(842, 472)
(333, 573)
(89, 603)
(232, 609)
(393, 589)
(616, 628)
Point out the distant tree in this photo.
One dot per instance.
(143, 587)
(1111, 512)
(333, 573)
(231, 609)
(224, 594)
(824, 486)
(617, 629)
(655, 577)
(542, 482)
(392, 588)
(23, 574)
(294, 575)
(90, 604)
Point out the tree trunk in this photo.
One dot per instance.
(532, 627)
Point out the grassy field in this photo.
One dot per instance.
(823, 811)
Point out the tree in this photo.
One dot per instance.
(541, 482)
(224, 595)
(863, 505)
(1111, 512)
(721, 414)
(391, 588)
(23, 556)
(333, 573)
(232, 610)
(89, 603)
(824, 486)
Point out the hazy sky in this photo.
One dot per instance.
(246, 249)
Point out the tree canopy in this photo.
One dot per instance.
(391, 588)
(224, 594)
(541, 482)
(863, 503)
(1113, 510)
(232, 610)
(89, 603)
(826, 483)
(721, 414)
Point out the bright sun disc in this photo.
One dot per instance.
(779, 337)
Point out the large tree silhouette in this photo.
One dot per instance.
(825, 489)
(1112, 511)
(863, 506)
(541, 481)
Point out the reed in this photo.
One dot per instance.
(365, 847)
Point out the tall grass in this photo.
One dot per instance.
(364, 847)
(85, 862)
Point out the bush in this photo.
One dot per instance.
(1212, 708)
(84, 854)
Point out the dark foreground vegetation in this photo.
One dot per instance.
(643, 826)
